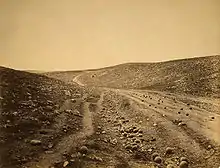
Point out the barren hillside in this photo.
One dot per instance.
(99, 119)
(195, 76)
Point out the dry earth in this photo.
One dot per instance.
(47, 122)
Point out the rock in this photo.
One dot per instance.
(35, 142)
(154, 124)
(73, 100)
(184, 164)
(49, 108)
(114, 141)
(48, 152)
(170, 166)
(210, 147)
(49, 102)
(150, 150)
(103, 132)
(182, 124)
(15, 113)
(213, 118)
(137, 141)
(50, 146)
(158, 159)
(65, 163)
(153, 139)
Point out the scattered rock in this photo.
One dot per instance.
(210, 147)
(154, 124)
(35, 142)
(65, 163)
(170, 166)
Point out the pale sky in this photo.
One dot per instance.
(82, 34)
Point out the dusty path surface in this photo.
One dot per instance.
(69, 142)
(128, 126)
(185, 123)
(76, 80)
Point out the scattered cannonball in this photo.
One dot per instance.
(184, 164)
(83, 150)
(137, 141)
(158, 159)
(169, 150)
(179, 112)
(187, 114)
(154, 155)
(183, 159)
(190, 108)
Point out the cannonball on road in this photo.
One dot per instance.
(84, 150)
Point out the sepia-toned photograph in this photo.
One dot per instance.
(109, 83)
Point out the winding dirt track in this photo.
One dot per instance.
(68, 142)
(198, 134)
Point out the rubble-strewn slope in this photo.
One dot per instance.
(197, 76)
(65, 76)
(31, 115)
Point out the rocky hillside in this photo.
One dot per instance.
(197, 76)
(31, 118)
(65, 76)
